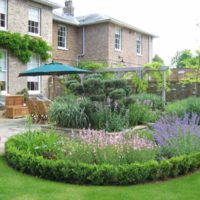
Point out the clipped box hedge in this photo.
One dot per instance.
(81, 173)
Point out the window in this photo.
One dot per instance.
(118, 38)
(34, 21)
(62, 37)
(3, 14)
(139, 44)
(33, 83)
(3, 73)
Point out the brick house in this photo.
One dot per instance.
(94, 37)
(99, 38)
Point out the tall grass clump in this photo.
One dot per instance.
(67, 112)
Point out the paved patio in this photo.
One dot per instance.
(10, 127)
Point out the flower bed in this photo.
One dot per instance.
(44, 161)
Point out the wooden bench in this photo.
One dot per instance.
(15, 107)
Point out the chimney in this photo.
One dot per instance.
(68, 9)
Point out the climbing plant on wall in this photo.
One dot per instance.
(23, 46)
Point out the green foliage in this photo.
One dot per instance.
(141, 84)
(110, 154)
(158, 59)
(117, 94)
(76, 88)
(185, 59)
(151, 100)
(157, 76)
(106, 119)
(23, 47)
(93, 86)
(140, 114)
(67, 112)
(25, 93)
(21, 154)
(88, 65)
(93, 76)
(189, 105)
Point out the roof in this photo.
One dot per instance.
(96, 19)
(49, 3)
(65, 19)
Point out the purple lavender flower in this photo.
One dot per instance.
(178, 135)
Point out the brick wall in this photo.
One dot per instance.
(18, 22)
(68, 56)
(96, 42)
(128, 50)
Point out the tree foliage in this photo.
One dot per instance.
(185, 59)
(158, 59)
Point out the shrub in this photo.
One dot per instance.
(67, 112)
(76, 88)
(111, 85)
(140, 114)
(68, 83)
(106, 119)
(93, 86)
(117, 94)
(189, 105)
(93, 76)
(177, 136)
(104, 174)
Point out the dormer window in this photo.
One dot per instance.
(3, 14)
(34, 21)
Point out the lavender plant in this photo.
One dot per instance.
(177, 136)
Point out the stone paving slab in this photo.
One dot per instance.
(10, 127)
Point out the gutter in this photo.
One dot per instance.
(83, 46)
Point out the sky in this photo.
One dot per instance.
(174, 21)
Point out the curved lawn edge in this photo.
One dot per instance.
(82, 173)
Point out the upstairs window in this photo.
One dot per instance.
(34, 21)
(33, 83)
(118, 39)
(139, 44)
(3, 14)
(62, 37)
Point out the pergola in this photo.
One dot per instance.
(141, 71)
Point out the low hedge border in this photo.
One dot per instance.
(81, 173)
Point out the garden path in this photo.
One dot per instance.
(10, 127)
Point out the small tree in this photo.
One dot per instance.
(158, 59)
(184, 59)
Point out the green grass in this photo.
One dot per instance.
(17, 186)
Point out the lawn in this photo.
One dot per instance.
(16, 186)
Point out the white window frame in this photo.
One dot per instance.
(118, 39)
(33, 92)
(39, 21)
(66, 37)
(4, 92)
(139, 44)
(6, 16)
